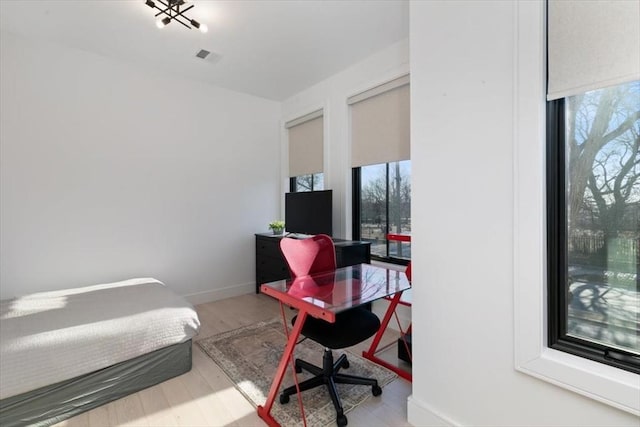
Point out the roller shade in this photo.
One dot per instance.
(306, 144)
(380, 124)
(592, 44)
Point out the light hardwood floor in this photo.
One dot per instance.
(205, 396)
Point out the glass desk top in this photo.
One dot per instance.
(325, 294)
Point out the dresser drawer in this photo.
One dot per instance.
(273, 265)
(269, 246)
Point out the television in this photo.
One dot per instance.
(309, 212)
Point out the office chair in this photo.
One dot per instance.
(315, 255)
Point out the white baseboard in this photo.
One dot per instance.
(218, 294)
(421, 415)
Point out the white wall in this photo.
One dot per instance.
(463, 65)
(331, 94)
(110, 171)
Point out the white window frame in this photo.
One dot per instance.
(607, 384)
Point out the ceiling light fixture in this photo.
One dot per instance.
(171, 8)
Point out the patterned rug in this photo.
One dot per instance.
(250, 357)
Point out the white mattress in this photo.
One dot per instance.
(50, 337)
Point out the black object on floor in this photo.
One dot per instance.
(402, 349)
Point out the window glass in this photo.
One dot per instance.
(318, 181)
(311, 182)
(400, 207)
(385, 207)
(602, 202)
(373, 207)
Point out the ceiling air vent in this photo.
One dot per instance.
(203, 53)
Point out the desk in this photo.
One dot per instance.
(323, 296)
(271, 265)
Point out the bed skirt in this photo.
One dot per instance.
(52, 404)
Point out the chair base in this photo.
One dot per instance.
(329, 375)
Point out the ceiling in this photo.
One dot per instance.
(268, 48)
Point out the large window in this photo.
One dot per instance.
(310, 182)
(382, 205)
(594, 225)
(380, 153)
(532, 313)
(306, 146)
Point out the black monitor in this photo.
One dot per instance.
(309, 212)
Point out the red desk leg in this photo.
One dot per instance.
(371, 353)
(264, 412)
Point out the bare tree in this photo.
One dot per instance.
(397, 189)
(614, 183)
(304, 183)
(604, 164)
(309, 182)
(373, 203)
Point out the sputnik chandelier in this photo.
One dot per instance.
(170, 10)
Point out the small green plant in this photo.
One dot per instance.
(276, 226)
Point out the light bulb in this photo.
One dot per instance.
(161, 23)
(204, 28)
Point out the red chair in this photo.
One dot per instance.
(393, 237)
(308, 256)
(317, 255)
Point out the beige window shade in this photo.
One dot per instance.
(592, 44)
(380, 127)
(306, 145)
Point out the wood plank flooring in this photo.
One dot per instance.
(205, 397)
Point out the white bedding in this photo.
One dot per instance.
(50, 337)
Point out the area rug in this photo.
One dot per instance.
(250, 356)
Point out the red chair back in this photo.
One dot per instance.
(401, 238)
(308, 256)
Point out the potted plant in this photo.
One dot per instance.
(276, 226)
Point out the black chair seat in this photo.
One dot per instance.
(350, 328)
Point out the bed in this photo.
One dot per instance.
(65, 352)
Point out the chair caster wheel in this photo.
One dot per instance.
(376, 390)
(297, 368)
(345, 364)
(284, 398)
(341, 421)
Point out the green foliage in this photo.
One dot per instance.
(276, 225)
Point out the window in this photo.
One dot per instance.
(382, 205)
(380, 153)
(533, 356)
(593, 183)
(310, 182)
(306, 146)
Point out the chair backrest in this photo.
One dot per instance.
(308, 256)
(401, 238)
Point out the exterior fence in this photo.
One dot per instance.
(622, 252)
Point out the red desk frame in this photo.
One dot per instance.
(391, 310)
(322, 296)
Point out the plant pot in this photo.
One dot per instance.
(278, 231)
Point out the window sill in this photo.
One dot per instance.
(600, 382)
